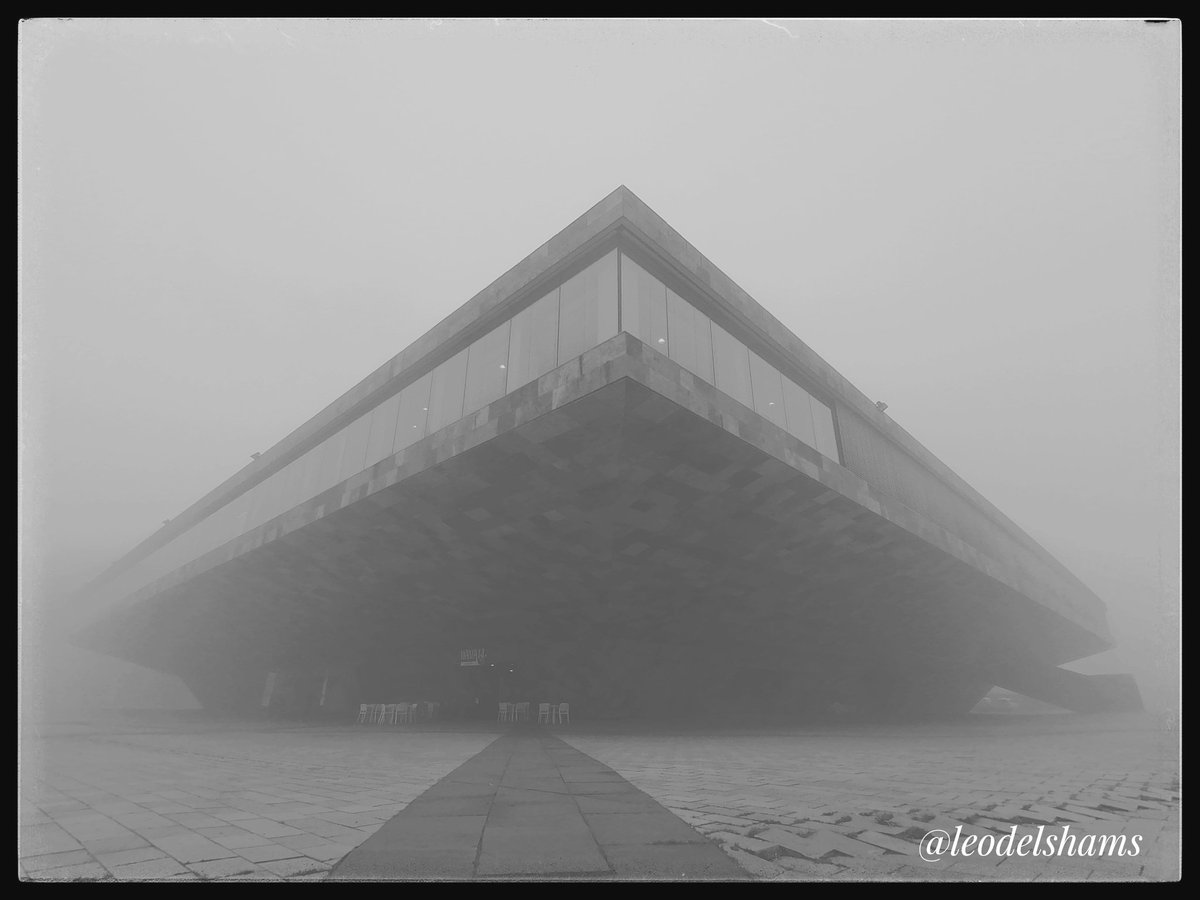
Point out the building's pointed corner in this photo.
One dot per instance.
(625, 196)
(629, 194)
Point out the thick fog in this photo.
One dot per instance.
(226, 224)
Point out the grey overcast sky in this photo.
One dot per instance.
(226, 224)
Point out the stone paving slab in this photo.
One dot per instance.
(263, 802)
(852, 803)
(217, 801)
(533, 826)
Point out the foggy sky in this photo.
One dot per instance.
(227, 224)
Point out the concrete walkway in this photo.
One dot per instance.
(530, 806)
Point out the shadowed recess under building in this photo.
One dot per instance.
(610, 478)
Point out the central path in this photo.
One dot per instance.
(531, 806)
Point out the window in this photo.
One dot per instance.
(254, 506)
(355, 450)
(487, 365)
(643, 305)
(308, 470)
(588, 308)
(533, 345)
(382, 432)
(768, 390)
(272, 496)
(446, 392)
(293, 481)
(732, 363)
(566, 322)
(331, 460)
(691, 337)
(798, 403)
(823, 425)
(414, 411)
(240, 512)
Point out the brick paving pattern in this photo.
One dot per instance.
(853, 803)
(531, 807)
(199, 803)
(261, 802)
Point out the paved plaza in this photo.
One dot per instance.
(219, 801)
(854, 802)
(189, 798)
(532, 807)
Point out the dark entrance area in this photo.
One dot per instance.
(480, 685)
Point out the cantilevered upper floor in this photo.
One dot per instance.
(617, 270)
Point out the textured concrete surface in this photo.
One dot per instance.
(853, 803)
(679, 523)
(878, 451)
(532, 807)
(191, 799)
(622, 217)
(187, 799)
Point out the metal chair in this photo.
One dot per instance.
(521, 713)
(502, 714)
(563, 714)
(543, 714)
(366, 713)
(387, 714)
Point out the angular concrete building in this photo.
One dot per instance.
(610, 478)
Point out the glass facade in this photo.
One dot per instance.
(331, 463)
(382, 430)
(690, 337)
(768, 390)
(446, 392)
(533, 342)
(710, 352)
(414, 412)
(269, 501)
(355, 449)
(320, 474)
(731, 361)
(826, 433)
(643, 305)
(798, 404)
(566, 322)
(587, 313)
(293, 486)
(487, 369)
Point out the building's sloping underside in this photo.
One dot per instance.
(637, 543)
